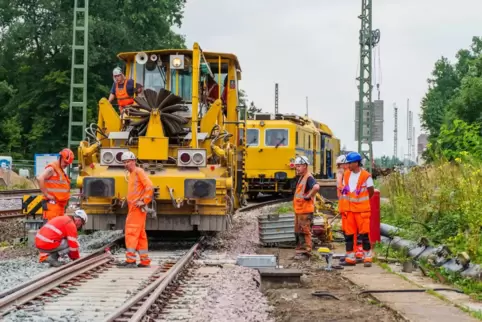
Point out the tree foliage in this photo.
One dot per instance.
(35, 61)
(453, 104)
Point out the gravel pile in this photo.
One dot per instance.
(96, 240)
(233, 296)
(10, 230)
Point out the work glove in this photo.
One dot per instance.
(345, 190)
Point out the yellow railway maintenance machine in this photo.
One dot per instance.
(272, 143)
(184, 141)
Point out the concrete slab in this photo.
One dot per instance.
(416, 307)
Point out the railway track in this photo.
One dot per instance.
(95, 289)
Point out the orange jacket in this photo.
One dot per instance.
(123, 99)
(139, 188)
(51, 234)
(58, 185)
(300, 205)
(358, 200)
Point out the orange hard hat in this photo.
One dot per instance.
(67, 155)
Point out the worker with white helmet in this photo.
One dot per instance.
(304, 206)
(58, 237)
(123, 90)
(341, 166)
(139, 194)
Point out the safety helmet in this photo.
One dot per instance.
(341, 159)
(67, 155)
(128, 155)
(117, 71)
(302, 160)
(353, 157)
(79, 213)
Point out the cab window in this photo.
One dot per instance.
(276, 137)
(252, 137)
(184, 81)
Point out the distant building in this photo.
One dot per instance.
(422, 143)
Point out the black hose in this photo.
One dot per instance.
(417, 290)
(324, 294)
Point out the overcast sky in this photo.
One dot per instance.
(310, 47)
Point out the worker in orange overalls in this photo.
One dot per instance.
(357, 191)
(123, 90)
(58, 237)
(304, 207)
(55, 186)
(139, 194)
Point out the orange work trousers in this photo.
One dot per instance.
(357, 223)
(303, 232)
(53, 210)
(136, 237)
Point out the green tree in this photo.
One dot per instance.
(35, 52)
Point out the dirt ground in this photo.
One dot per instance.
(295, 303)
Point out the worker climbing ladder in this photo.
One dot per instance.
(78, 78)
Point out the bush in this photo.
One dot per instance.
(442, 202)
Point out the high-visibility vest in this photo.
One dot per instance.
(54, 231)
(343, 202)
(123, 99)
(139, 188)
(300, 205)
(58, 185)
(358, 200)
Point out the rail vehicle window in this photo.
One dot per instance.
(184, 79)
(276, 137)
(155, 79)
(252, 137)
(296, 138)
(309, 141)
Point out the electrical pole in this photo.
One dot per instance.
(395, 131)
(276, 98)
(368, 40)
(78, 75)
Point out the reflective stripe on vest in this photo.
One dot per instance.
(123, 98)
(358, 200)
(300, 205)
(58, 185)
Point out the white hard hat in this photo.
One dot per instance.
(341, 159)
(128, 155)
(117, 71)
(302, 160)
(81, 214)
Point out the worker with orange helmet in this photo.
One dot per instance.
(139, 195)
(55, 186)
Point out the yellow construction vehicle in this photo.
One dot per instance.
(185, 141)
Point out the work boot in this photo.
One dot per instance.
(143, 265)
(127, 265)
(350, 259)
(53, 260)
(367, 261)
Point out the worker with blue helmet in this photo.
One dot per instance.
(357, 190)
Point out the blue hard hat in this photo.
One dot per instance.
(353, 157)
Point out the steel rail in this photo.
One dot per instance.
(156, 287)
(36, 289)
(55, 270)
(264, 203)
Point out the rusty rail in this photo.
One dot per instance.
(156, 287)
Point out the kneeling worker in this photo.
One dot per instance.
(58, 237)
(304, 206)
